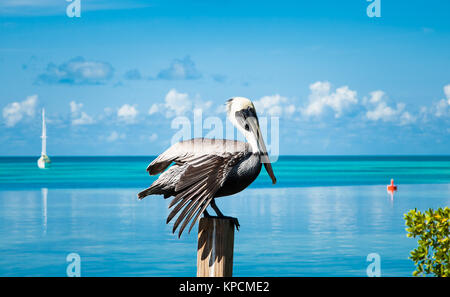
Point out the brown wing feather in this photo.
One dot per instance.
(206, 177)
(198, 171)
(207, 162)
(195, 149)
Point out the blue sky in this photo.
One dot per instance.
(113, 80)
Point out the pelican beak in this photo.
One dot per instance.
(256, 131)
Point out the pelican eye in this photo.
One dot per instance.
(250, 112)
(247, 127)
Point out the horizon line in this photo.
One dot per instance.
(287, 155)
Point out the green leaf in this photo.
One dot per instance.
(433, 230)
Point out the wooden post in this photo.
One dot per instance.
(215, 247)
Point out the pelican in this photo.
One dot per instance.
(205, 169)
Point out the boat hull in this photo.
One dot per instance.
(44, 162)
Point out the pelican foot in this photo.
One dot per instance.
(235, 221)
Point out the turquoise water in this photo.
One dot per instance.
(323, 218)
(291, 171)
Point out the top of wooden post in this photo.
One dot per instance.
(215, 247)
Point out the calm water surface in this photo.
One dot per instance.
(322, 219)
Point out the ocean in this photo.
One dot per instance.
(324, 217)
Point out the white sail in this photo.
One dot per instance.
(44, 161)
(44, 135)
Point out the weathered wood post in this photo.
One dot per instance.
(215, 247)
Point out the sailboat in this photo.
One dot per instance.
(44, 161)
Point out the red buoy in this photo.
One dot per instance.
(392, 187)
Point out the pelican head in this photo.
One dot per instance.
(242, 113)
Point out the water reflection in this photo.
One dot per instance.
(44, 192)
(391, 196)
(391, 189)
(322, 231)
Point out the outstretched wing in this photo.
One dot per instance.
(191, 150)
(207, 162)
(203, 177)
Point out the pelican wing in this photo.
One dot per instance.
(190, 150)
(197, 185)
(205, 164)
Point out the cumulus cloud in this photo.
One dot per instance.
(179, 104)
(379, 110)
(202, 106)
(78, 116)
(442, 107)
(447, 93)
(274, 105)
(343, 100)
(175, 104)
(16, 111)
(153, 109)
(114, 136)
(321, 98)
(75, 107)
(127, 113)
(84, 119)
(77, 71)
(180, 69)
(406, 118)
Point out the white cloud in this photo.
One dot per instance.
(322, 98)
(153, 137)
(115, 136)
(84, 119)
(153, 109)
(440, 108)
(290, 109)
(406, 118)
(202, 106)
(79, 117)
(384, 112)
(178, 103)
(77, 71)
(376, 96)
(180, 69)
(75, 107)
(274, 105)
(379, 110)
(15, 111)
(447, 93)
(175, 104)
(127, 113)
